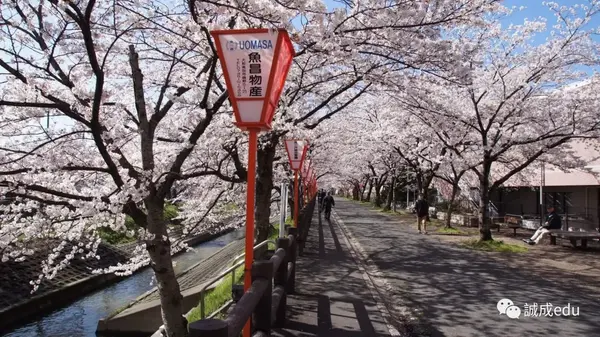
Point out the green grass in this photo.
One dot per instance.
(231, 206)
(450, 231)
(274, 235)
(493, 246)
(215, 298)
(114, 238)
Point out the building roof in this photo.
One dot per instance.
(586, 173)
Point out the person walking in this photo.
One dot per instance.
(321, 197)
(328, 202)
(422, 209)
(553, 221)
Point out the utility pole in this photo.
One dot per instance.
(407, 189)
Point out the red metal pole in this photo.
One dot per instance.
(296, 201)
(250, 191)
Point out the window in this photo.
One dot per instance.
(560, 200)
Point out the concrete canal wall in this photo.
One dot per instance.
(18, 305)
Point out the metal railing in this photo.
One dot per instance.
(265, 302)
(230, 270)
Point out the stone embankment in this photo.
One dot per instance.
(18, 304)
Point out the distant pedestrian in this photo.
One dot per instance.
(328, 202)
(553, 221)
(321, 197)
(422, 209)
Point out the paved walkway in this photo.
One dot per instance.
(435, 288)
(332, 299)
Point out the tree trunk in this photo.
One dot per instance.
(388, 202)
(356, 192)
(378, 185)
(368, 198)
(420, 188)
(395, 194)
(423, 183)
(451, 205)
(484, 201)
(159, 250)
(264, 188)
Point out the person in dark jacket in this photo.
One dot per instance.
(328, 202)
(422, 209)
(552, 222)
(321, 197)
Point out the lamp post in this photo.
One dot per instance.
(542, 183)
(255, 63)
(296, 150)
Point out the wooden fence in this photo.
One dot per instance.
(272, 280)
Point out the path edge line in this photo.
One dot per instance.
(372, 278)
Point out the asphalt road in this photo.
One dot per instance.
(441, 289)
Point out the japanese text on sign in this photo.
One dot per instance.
(248, 59)
(255, 74)
(296, 154)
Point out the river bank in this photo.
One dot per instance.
(63, 295)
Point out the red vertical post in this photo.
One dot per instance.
(296, 201)
(250, 191)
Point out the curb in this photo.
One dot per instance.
(400, 319)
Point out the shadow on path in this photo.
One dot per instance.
(455, 290)
(332, 299)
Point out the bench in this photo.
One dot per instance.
(573, 237)
(512, 222)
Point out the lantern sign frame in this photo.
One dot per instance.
(254, 100)
(291, 147)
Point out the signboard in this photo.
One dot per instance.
(296, 150)
(255, 63)
(305, 169)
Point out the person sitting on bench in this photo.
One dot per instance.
(552, 222)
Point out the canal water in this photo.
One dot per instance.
(80, 319)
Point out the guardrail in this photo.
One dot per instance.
(230, 270)
(265, 302)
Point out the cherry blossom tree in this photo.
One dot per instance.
(106, 108)
(517, 98)
(342, 53)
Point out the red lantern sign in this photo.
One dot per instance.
(305, 168)
(256, 63)
(296, 150)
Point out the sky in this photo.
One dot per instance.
(535, 9)
(532, 10)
